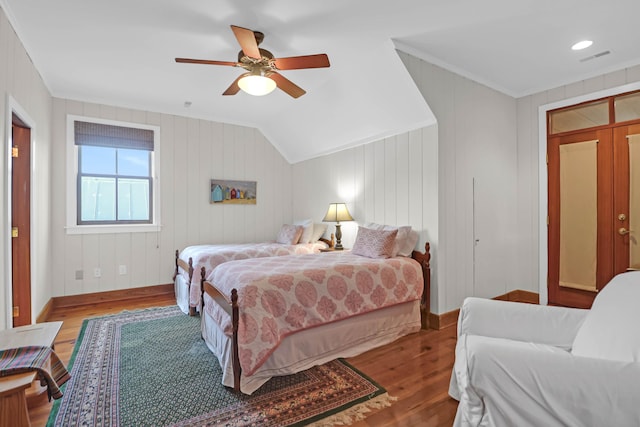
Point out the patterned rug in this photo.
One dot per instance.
(151, 368)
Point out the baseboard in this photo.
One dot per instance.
(520, 296)
(440, 321)
(107, 296)
(44, 313)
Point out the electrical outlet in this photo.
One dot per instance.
(122, 269)
(79, 274)
(97, 272)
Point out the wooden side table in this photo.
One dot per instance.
(13, 400)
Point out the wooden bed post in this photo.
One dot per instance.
(203, 273)
(175, 274)
(236, 350)
(425, 303)
(192, 310)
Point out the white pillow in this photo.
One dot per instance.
(307, 231)
(289, 234)
(610, 330)
(410, 243)
(318, 232)
(406, 238)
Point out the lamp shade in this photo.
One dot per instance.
(256, 85)
(337, 212)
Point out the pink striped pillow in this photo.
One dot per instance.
(289, 234)
(374, 243)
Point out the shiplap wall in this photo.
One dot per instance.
(191, 153)
(392, 181)
(477, 191)
(529, 165)
(20, 80)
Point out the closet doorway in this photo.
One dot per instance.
(593, 166)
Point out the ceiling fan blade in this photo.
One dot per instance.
(298, 62)
(287, 85)
(247, 41)
(205, 61)
(234, 88)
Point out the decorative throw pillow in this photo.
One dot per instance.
(405, 240)
(374, 243)
(318, 232)
(289, 234)
(307, 230)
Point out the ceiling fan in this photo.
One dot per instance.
(262, 75)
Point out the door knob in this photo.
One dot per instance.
(622, 231)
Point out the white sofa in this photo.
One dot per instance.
(529, 365)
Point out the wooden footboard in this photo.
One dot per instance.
(188, 267)
(231, 305)
(232, 310)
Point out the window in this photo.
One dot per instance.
(582, 116)
(625, 107)
(113, 183)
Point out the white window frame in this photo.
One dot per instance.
(72, 226)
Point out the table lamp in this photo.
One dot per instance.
(337, 212)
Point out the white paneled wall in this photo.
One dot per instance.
(531, 249)
(470, 185)
(21, 83)
(391, 181)
(192, 152)
(477, 186)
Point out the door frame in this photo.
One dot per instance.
(542, 174)
(13, 107)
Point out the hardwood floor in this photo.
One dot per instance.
(415, 369)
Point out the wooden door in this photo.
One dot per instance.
(20, 225)
(626, 198)
(580, 230)
(594, 214)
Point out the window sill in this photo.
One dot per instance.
(112, 229)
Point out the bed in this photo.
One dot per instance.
(344, 304)
(193, 258)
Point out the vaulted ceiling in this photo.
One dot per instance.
(121, 52)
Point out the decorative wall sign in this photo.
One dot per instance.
(233, 192)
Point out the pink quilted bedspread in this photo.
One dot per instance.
(282, 295)
(210, 256)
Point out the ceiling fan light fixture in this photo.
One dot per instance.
(256, 84)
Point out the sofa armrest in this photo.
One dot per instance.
(504, 382)
(555, 326)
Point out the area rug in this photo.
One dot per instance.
(151, 368)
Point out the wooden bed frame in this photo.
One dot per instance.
(233, 310)
(188, 267)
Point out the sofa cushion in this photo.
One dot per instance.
(611, 329)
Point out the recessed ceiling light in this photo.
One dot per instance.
(582, 45)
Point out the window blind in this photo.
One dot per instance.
(101, 135)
